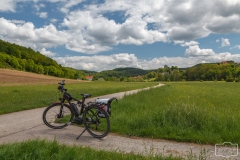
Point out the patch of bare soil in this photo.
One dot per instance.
(14, 77)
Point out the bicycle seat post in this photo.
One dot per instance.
(83, 99)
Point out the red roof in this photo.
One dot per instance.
(88, 77)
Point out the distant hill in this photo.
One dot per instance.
(89, 72)
(119, 72)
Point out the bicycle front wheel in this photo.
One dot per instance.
(96, 121)
(57, 116)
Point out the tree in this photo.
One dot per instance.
(30, 65)
(123, 78)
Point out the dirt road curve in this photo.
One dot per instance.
(24, 125)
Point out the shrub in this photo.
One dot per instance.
(230, 80)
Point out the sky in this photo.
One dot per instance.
(102, 35)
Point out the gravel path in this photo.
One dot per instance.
(24, 125)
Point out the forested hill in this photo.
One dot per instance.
(26, 59)
(119, 72)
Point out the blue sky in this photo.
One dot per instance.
(106, 34)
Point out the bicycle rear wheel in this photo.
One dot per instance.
(96, 121)
(58, 116)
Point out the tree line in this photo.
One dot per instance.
(223, 71)
(21, 58)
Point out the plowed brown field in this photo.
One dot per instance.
(14, 77)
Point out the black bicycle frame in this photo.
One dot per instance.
(67, 97)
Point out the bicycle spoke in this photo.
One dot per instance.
(98, 127)
(53, 119)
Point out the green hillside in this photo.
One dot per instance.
(17, 57)
(121, 72)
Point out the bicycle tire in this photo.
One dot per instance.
(96, 126)
(53, 119)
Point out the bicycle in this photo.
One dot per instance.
(93, 115)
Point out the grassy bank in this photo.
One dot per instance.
(17, 98)
(43, 150)
(206, 112)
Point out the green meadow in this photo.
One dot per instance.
(23, 97)
(200, 112)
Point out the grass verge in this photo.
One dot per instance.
(44, 150)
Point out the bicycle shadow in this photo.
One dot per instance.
(69, 135)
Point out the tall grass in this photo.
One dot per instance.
(17, 98)
(193, 112)
(44, 150)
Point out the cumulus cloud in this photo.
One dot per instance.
(178, 42)
(100, 62)
(186, 21)
(225, 42)
(8, 5)
(43, 14)
(195, 51)
(191, 43)
(27, 35)
(89, 28)
(92, 31)
(47, 53)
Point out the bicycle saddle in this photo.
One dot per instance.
(86, 95)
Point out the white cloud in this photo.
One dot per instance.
(100, 62)
(17, 21)
(178, 42)
(188, 20)
(236, 46)
(39, 6)
(10, 5)
(217, 40)
(66, 4)
(27, 35)
(195, 51)
(47, 53)
(54, 20)
(225, 42)
(191, 43)
(96, 30)
(43, 14)
(89, 28)
(7, 5)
